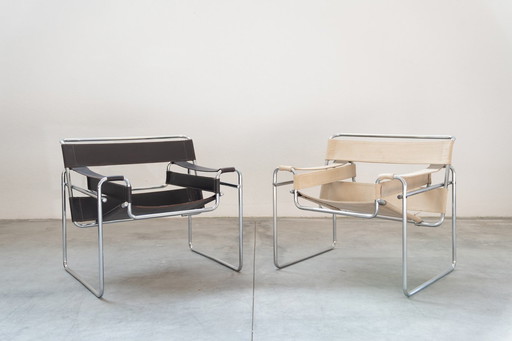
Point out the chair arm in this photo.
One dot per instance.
(206, 183)
(191, 166)
(413, 179)
(316, 176)
(430, 170)
(112, 190)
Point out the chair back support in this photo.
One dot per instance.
(405, 151)
(108, 152)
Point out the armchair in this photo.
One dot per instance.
(188, 190)
(409, 197)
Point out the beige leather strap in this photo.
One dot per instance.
(403, 152)
(350, 191)
(365, 207)
(320, 177)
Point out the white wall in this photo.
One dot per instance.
(255, 83)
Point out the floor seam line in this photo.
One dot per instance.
(253, 280)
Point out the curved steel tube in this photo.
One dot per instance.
(276, 232)
(453, 264)
(240, 230)
(101, 267)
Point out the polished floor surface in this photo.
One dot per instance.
(156, 289)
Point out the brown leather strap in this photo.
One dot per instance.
(120, 153)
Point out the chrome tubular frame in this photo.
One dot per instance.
(238, 267)
(453, 264)
(277, 184)
(65, 178)
(431, 137)
(110, 139)
(101, 282)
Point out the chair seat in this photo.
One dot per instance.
(84, 208)
(385, 209)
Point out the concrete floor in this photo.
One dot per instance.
(156, 289)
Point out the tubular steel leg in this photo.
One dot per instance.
(434, 279)
(276, 233)
(97, 292)
(240, 233)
